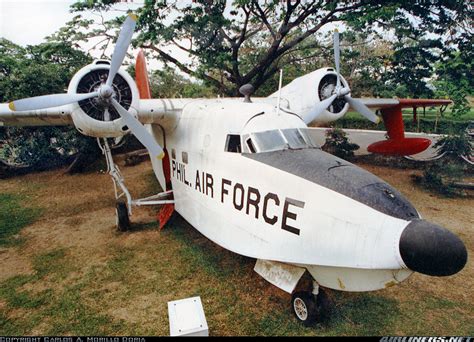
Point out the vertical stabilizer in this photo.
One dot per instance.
(141, 76)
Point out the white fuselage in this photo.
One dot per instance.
(263, 212)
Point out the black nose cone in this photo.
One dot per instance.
(430, 249)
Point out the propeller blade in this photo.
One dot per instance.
(319, 108)
(337, 56)
(121, 46)
(48, 101)
(360, 107)
(139, 131)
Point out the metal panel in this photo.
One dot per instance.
(283, 276)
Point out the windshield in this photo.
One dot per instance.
(279, 139)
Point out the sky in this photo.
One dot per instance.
(28, 22)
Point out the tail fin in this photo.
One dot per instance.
(141, 76)
(143, 85)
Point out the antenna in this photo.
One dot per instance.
(279, 92)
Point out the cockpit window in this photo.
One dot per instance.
(269, 140)
(294, 138)
(278, 139)
(233, 143)
(251, 146)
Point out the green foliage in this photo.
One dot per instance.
(411, 63)
(453, 146)
(442, 175)
(38, 70)
(338, 144)
(168, 83)
(13, 217)
(456, 81)
(252, 41)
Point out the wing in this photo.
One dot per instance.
(58, 116)
(376, 103)
(397, 143)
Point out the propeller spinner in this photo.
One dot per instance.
(104, 94)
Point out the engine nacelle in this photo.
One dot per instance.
(89, 115)
(304, 92)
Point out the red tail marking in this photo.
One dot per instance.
(167, 169)
(397, 144)
(143, 84)
(407, 103)
(141, 76)
(164, 214)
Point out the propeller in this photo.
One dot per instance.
(121, 46)
(139, 131)
(105, 93)
(337, 57)
(341, 91)
(47, 101)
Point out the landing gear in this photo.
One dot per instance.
(304, 307)
(123, 220)
(125, 202)
(310, 307)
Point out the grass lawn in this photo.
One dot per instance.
(74, 274)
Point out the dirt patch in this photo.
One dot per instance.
(13, 264)
(124, 280)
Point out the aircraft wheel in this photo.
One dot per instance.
(123, 221)
(304, 307)
(309, 308)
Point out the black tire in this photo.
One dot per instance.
(304, 307)
(325, 306)
(317, 307)
(123, 221)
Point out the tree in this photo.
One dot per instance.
(170, 84)
(38, 70)
(455, 74)
(249, 41)
(412, 63)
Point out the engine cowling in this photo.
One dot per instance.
(89, 115)
(305, 91)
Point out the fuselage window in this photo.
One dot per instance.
(251, 146)
(233, 144)
(184, 157)
(173, 153)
